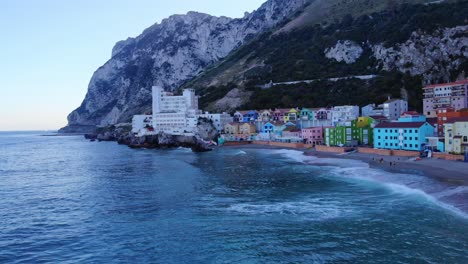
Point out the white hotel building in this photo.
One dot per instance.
(178, 115)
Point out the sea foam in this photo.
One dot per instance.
(417, 186)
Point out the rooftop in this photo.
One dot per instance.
(457, 119)
(447, 84)
(400, 125)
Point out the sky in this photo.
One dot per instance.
(49, 49)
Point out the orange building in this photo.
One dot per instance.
(445, 114)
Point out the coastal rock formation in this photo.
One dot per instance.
(168, 54)
(347, 51)
(431, 55)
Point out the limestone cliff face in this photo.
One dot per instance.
(432, 56)
(168, 54)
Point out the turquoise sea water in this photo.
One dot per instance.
(67, 200)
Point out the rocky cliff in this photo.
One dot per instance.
(168, 54)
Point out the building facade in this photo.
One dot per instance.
(394, 108)
(313, 135)
(402, 135)
(456, 135)
(448, 95)
(344, 113)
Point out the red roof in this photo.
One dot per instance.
(400, 125)
(447, 84)
(457, 119)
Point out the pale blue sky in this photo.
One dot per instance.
(50, 48)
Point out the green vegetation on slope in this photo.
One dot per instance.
(299, 55)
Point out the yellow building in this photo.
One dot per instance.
(456, 135)
(231, 128)
(247, 128)
(291, 115)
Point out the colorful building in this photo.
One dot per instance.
(351, 133)
(306, 114)
(456, 135)
(441, 96)
(278, 114)
(291, 116)
(264, 115)
(239, 116)
(250, 116)
(446, 114)
(402, 135)
(231, 128)
(313, 135)
(247, 128)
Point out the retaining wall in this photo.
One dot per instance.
(281, 144)
(446, 156)
(332, 149)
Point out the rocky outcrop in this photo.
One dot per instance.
(200, 142)
(432, 56)
(232, 100)
(168, 54)
(344, 50)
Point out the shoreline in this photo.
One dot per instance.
(449, 175)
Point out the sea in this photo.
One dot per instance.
(68, 200)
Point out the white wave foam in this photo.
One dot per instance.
(184, 149)
(299, 156)
(241, 153)
(310, 210)
(401, 184)
(404, 184)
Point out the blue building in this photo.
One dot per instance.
(402, 135)
(250, 116)
(268, 128)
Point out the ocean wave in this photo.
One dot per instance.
(300, 157)
(404, 184)
(316, 209)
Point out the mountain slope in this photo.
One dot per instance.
(427, 42)
(168, 54)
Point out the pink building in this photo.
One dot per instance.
(313, 135)
(278, 114)
(295, 133)
(439, 96)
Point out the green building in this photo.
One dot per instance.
(353, 133)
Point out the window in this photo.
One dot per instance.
(378, 137)
(410, 145)
(386, 144)
(379, 143)
(386, 137)
(416, 145)
(406, 145)
(416, 138)
(465, 139)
